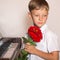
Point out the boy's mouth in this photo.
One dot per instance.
(39, 22)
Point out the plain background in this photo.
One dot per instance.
(14, 20)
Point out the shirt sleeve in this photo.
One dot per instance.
(52, 42)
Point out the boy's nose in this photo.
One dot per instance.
(40, 17)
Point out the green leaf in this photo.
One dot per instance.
(25, 40)
(24, 52)
(24, 57)
(29, 40)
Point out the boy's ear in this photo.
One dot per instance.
(29, 15)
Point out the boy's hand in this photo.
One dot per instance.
(30, 48)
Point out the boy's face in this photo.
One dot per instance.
(39, 17)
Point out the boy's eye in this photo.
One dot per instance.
(36, 15)
(45, 15)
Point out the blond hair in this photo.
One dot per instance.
(37, 4)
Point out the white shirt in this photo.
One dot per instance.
(49, 43)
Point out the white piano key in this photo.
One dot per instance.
(1, 42)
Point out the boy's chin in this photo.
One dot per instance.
(38, 25)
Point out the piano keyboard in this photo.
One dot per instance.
(4, 47)
(10, 48)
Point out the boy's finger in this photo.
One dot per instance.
(28, 43)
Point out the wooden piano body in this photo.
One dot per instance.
(13, 50)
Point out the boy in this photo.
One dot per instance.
(47, 49)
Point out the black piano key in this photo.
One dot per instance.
(4, 47)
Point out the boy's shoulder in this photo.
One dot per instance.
(50, 33)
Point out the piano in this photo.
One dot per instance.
(10, 48)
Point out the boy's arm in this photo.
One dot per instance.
(47, 56)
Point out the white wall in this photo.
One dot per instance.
(54, 17)
(14, 21)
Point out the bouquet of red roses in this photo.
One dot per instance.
(34, 35)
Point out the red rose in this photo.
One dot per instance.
(35, 33)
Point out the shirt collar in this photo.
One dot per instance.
(43, 28)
